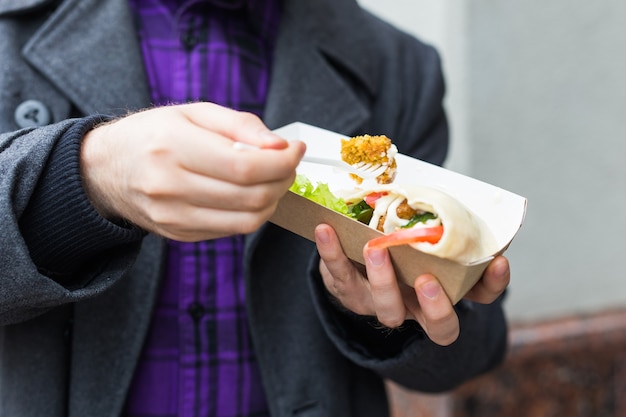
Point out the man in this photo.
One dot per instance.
(132, 244)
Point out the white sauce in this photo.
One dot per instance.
(392, 152)
(388, 205)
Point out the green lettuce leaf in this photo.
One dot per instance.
(320, 193)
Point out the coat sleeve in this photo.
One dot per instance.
(406, 355)
(54, 247)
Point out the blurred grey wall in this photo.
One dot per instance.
(537, 102)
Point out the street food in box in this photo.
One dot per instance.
(451, 225)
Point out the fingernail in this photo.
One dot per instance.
(430, 290)
(376, 256)
(501, 268)
(322, 235)
(269, 136)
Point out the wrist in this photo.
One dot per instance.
(94, 156)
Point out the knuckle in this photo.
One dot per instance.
(263, 199)
(242, 123)
(360, 310)
(392, 322)
(441, 318)
(243, 170)
(447, 338)
(379, 286)
(250, 223)
(151, 187)
(163, 218)
(247, 119)
(444, 331)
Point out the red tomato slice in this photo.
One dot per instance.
(404, 236)
(370, 199)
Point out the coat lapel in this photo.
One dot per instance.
(315, 66)
(13, 6)
(100, 70)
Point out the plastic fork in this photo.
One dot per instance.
(362, 169)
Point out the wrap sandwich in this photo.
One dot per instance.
(425, 218)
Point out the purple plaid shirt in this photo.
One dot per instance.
(198, 359)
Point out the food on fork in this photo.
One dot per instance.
(371, 150)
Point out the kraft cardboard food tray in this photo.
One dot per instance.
(502, 211)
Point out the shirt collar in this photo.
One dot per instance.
(229, 4)
(256, 9)
(222, 4)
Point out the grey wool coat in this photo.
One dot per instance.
(70, 337)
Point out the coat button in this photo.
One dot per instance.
(32, 113)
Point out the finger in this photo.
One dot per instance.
(190, 224)
(210, 154)
(494, 281)
(341, 277)
(207, 192)
(259, 165)
(236, 125)
(436, 315)
(384, 288)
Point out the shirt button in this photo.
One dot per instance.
(32, 113)
(189, 41)
(195, 310)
